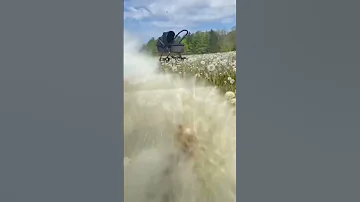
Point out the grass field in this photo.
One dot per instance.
(218, 69)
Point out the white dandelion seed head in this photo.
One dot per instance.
(211, 67)
(230, 95)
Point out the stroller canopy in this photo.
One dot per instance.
(166, 39)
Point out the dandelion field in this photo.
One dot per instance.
(217, 69)
(179, 127)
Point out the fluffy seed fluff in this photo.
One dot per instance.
(180, 142)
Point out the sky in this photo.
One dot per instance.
(150, 18)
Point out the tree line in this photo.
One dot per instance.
(202, 42)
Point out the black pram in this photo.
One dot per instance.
(170, 43)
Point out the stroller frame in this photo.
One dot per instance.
(178, 56)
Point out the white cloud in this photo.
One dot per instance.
(136, 14)
(185, 13)
(168, 24)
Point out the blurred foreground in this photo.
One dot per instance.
(180, 137)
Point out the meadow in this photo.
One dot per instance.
(217, 69)
(184, 135)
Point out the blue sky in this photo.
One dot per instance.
(146, 19)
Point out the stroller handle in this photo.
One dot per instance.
(184, 30)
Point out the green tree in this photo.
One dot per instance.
(202, 42)
(214, 45)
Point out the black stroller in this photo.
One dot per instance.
(170, 46)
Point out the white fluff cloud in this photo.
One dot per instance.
(136, 65)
